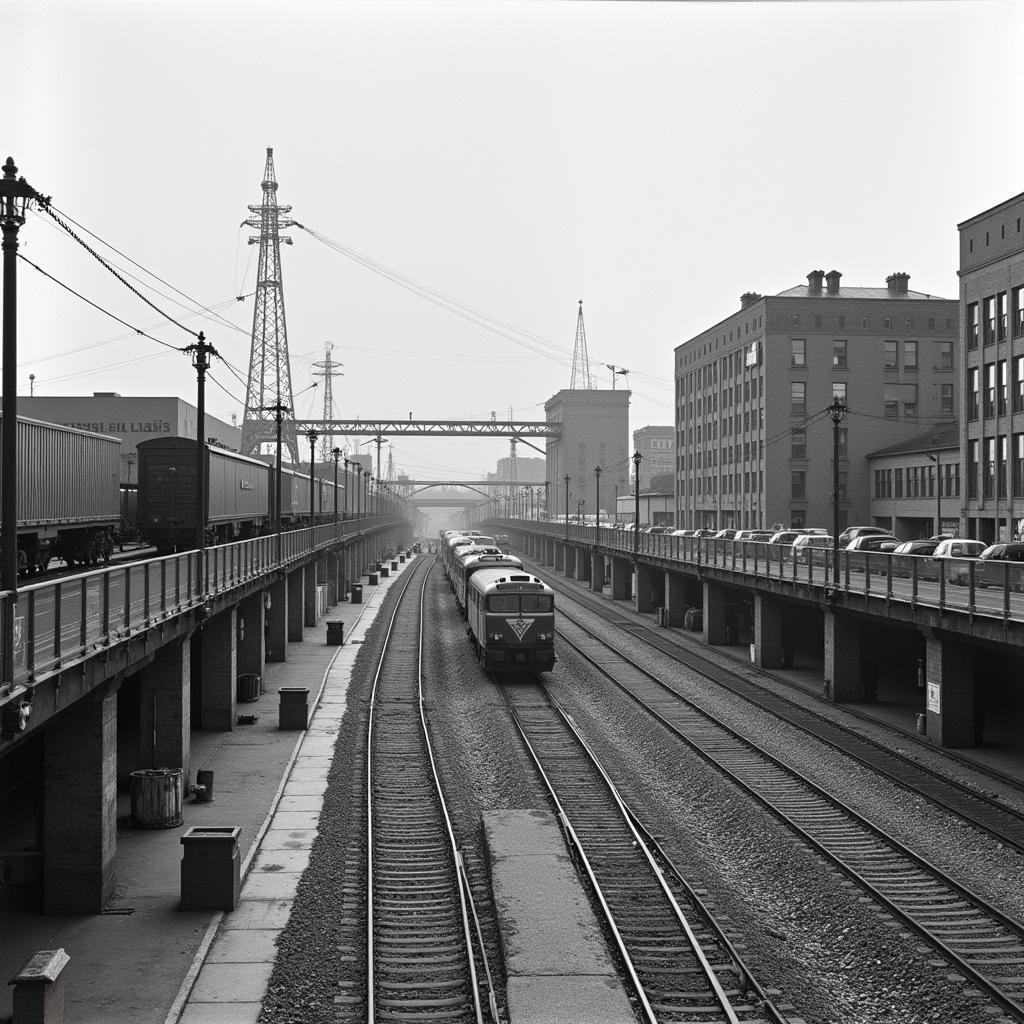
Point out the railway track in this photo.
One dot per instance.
(680, 963)
(968, 803)
(980, 941)
(422, 937)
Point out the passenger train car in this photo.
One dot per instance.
(67, 494)
(511, 617)
(474, 558)
(452, 545)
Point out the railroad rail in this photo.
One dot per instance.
(679, 962)
(980, 941)
(422, 937)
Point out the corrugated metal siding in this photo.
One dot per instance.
(65, 476)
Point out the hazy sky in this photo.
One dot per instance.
(655, 160)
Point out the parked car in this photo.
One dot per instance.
(704, 533)
(726, 535)
(852, 532)
(754, 536)
(885, 542)
(1002, 563)
(956, 554)
(806, 544)
(917, 547)
(658, 529)
(683, 533)
(785, 537)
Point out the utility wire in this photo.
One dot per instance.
(106, 312)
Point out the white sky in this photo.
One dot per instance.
(655, 160)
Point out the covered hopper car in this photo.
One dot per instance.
(68, 500)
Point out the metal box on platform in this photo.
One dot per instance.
(210, 868)
(293, 711)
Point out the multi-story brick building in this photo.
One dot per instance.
(595, 432)
(992, 370)
(657, 446)
(754, 439)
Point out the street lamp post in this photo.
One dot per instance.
(597, 510)
(637, 459)
(567, 508)
(15, 195)
(278, 410)
(837, 413)
(200, 353)
(366, 492)
(313, 436)
(336, 452)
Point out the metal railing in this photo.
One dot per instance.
(64, 621)
(991, 589)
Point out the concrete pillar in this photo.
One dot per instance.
(277, 621)
(219, 672)
(597, 572)
(675, 598)
(312, 571)
(559, 555)
(165, 709)
(331, 569)
(768, 646)
(843, 679)
(949, 689)
(549, 550)
(622, 577)
(714, 613)
(582, 568)
(252, 644)
(80, 805)
(644, 596)
(569, 554)
(296, 604)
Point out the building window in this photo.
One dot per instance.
(1017, 296)
(931, 323)
(839, 391)
(972, 325)
(891, 361)
(798, 444)
(817, 319)
(1001, 393)
(887, 322)
(863, 321)
(1001, 467)
(841, 320)
(798, 398)
(910, 325)
(1018, 465)
(842, 442)
(796, 319)
(839, 353)
(1001, 316)
(990, 390)
(798, 355)
(988, 323)
(892, 410)
(898, 483)
(973, 386)
(910, 410)
(910, 356)
(842, 485)
(988, 479)
(944, 355)
(945, 399)
(1018, 384)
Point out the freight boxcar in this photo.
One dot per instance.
(238, 493)
(68, 498)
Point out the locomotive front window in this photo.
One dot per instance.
(537, 603)
(508, 603)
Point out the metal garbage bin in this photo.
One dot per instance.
(248, 688)
(355, 594)
(156, 797)
(335, 632)
(293, 711)
(372, 579)
(394, 566)
(384, 572)
(210, 868)
(922, 724)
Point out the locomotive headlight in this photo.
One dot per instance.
(544, 636)
(496, 637)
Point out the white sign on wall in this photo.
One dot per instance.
(935, 698)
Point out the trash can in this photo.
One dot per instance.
(248, 688)
(156, 797)
(293, 711)
(335, 632)
(372, 576)
(394, 566)
(355, 595)
(384, 572)
(922, 724)
(401, 558)
(210, 868)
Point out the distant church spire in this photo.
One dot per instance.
(580, 360)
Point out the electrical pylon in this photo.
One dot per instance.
(580, 360)
(270, 375)
(327, 369)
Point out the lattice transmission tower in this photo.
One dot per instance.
(327, 369)
(270, 376)
(581, 380)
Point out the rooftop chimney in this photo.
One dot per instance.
(814, 281)
(748, 299)
(897, 283)
(832, 282)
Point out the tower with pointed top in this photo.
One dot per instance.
(270, 375)
(327, 368)
(580, 360)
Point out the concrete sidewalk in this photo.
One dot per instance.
(144, 961)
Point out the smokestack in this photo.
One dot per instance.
(897, 283)
(814, 281)
(832, 282)
(748, 299)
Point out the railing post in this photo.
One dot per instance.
(106, 607)
(145, 594)
(83, 632)
(126, 612)
(30, 642)
(57, 609)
